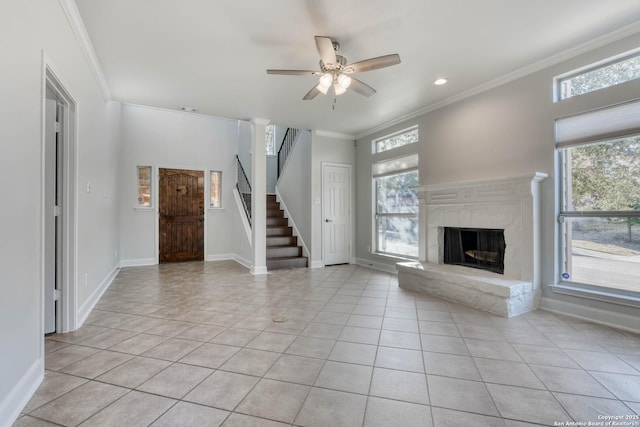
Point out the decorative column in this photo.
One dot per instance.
(259, 196)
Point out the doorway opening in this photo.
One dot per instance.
(58, 207)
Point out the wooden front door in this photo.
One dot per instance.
(181, 199)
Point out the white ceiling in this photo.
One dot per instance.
(212, 54)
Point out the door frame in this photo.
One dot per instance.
(156, 203)
(66, 315)
(352, 217)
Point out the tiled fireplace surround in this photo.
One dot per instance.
(512, 204)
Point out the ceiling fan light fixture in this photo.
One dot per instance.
(344, 81)
(323, 89)
(339, 90)
(325, 80)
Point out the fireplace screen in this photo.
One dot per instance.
(475, 247)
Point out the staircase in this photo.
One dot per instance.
(282, 246)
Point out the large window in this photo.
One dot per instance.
(395, 173)
(599, 219)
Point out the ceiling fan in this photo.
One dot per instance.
(334, 70)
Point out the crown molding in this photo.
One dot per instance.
(77, 26)
(336, 135)
(611, 37)
(259, 121)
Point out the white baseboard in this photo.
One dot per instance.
(137, 262)
(242, 261)
(19, 396)
(220, 257)
(257, 270)
(316, 264)
(389, 268)
(90, 303)
(592, 314)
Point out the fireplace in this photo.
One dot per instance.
(493, 225)
(475, 247)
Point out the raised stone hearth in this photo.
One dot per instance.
(510, 204)
(482, 290)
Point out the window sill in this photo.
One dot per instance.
(143, 208)
(215, 209)
(597, 293)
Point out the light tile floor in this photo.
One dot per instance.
(194, 344)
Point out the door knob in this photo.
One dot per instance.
(327, 220)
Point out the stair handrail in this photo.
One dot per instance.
(244, 188)
(285, 148)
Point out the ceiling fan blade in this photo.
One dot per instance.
(361, 87)
(326, 51)
(312, 93)
(373, 63)
(294, 72)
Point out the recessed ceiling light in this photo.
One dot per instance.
(440, 82)
(189, 109)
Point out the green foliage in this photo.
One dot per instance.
(397, 141)
(600, 78)
(606, 176)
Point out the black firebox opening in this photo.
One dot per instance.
(475, 247)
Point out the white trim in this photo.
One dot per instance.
(220, 257)
(90, 303)
(591, 314)
(77, 26)
(296, 232)
(336, 135)
(258, 270)
(389, 268)
(259, 121)
(18, 397)
(243, 215)
(242, 261)
(66, 321)
(206, 116)
(316, 264)
(509, 77)
(596, 293)
(137, 262)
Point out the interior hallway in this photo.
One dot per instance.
(196, 344)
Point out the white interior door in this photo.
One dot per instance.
(336, 188)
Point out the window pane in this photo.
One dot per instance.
(603, 177)
(398, 235)
(144, 186)
(603, 252)
(394, 194)
(216, 185)
(395, 141)
(610, 75)
(270, 146)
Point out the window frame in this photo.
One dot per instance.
(219, 189)
(565, 284)
(558, 81)
(270, 130)
(406, 150)
(138, 204)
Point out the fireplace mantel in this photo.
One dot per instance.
(509, 203)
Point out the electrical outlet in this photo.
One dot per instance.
(86, 279)
(115, 254)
